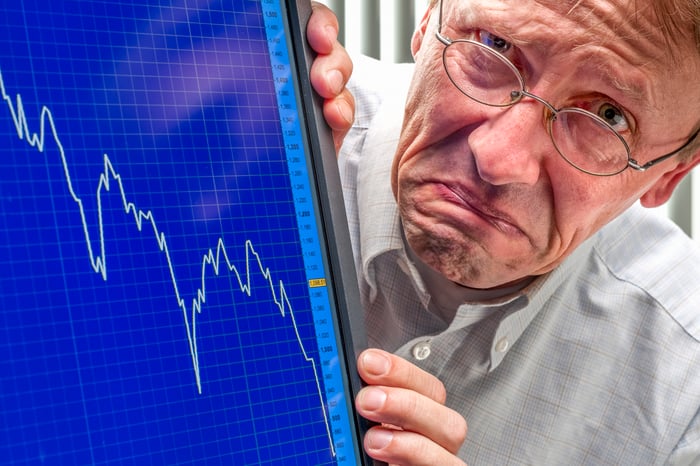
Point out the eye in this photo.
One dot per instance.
(498, 44)
(614, 117)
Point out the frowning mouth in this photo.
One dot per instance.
(470, 203)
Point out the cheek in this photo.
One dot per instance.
(435, 112)
(424, 106)
(421, 115)
(583, 204)
(432, 98)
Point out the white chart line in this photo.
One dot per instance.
(212, 258)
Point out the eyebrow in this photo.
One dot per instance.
(631, 88)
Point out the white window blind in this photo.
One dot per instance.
(383, 29)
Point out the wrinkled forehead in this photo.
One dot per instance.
(658, 20)
(654, 30)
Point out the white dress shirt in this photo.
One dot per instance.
(595, 363)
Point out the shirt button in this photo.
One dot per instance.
(421, 350)
(502, 345)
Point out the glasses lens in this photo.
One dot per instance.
(481, 73)
(588, 143)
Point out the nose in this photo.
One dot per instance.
(509, 145)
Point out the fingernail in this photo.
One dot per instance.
(375, 363)
(378, 439)
(335, 81)
(372, 399)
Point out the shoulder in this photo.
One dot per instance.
(379, 89)
(653, 256)
(374, 81)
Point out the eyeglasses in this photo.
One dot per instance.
(585, 140)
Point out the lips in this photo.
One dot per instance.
(499, 220)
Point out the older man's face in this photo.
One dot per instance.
(484, 195)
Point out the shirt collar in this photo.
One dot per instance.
(380, 226)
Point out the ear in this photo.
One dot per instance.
(419, 33)
(661, 191)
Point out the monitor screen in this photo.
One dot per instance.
(174, 290)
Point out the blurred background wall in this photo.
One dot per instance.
(382, 29)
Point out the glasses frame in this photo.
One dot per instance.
(517, 95)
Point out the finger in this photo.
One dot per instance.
(406, 449)
(322, 29)
(413, 412)
(330, 73)
(377, 367)
(339, 113)
(332, 66)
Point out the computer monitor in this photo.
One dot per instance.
(175, 266)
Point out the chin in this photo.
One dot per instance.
(456, 260)
(469, 261)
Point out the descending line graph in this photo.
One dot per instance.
(215, 259)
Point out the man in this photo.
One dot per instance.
(508, 276)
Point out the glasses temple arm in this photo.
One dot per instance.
(634, 164)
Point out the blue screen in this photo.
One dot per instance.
(165, 293)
